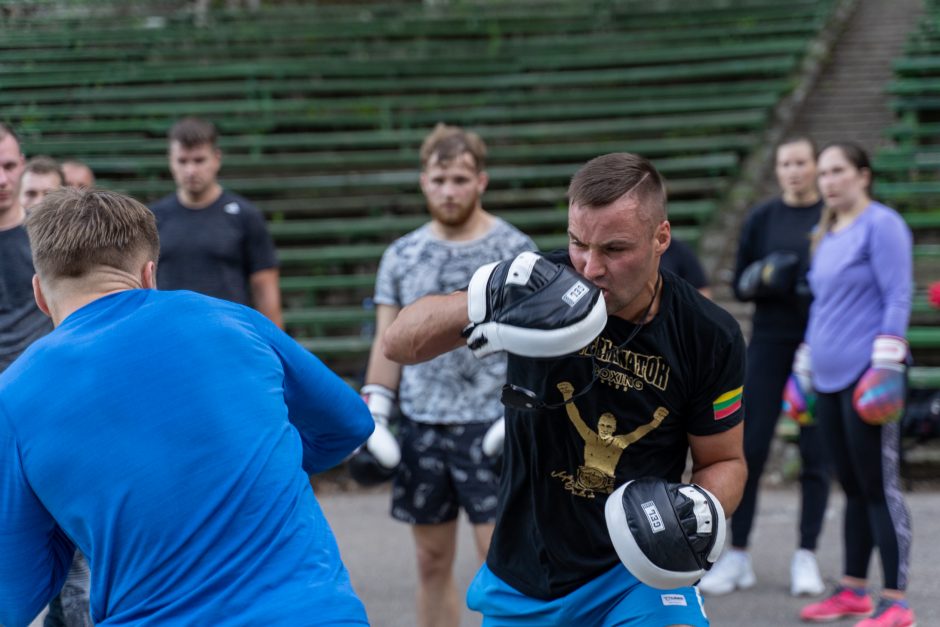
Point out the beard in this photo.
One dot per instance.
(454, 214)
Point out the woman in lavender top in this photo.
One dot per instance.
(860, 276)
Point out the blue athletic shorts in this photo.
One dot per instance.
(614, 598)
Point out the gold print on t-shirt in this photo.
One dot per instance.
(602, 449)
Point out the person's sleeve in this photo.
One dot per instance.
(892, 263)
(746, 253)
(35, 554)
(330, 416)
(717, 402)
(260, 252)
(386, 292)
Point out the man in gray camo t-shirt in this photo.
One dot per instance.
(450, 402)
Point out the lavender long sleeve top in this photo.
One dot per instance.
(861, 282)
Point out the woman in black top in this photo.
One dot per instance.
(773, 257)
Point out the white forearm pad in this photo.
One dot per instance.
(889, 351)
(383, 445)
(494, 437)
(380, 401)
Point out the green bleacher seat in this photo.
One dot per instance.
(322, 108)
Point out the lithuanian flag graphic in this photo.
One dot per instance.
(728, 403)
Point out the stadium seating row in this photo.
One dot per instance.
(322, 109)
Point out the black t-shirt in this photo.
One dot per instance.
(776, 226)
(681, 374)
(21, 321)
(213, 250)
(680, 259)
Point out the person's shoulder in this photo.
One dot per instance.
(503, 227)
(881, 214)
(196, 306)
(411, 241)
(234, 204)
(702, 313)
(167, 203)
(765, 207)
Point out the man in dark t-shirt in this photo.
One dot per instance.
(681, 260)
(213, 241)
(664, 378)
(21, 321)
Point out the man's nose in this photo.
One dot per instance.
(593, 267)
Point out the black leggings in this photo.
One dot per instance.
(768, 366)
(866, 461)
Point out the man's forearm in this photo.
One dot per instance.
(428, 327)
(266, 295)
(724, 479)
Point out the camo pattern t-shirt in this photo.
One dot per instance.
(455, 387)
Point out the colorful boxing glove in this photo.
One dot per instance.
(382, 444)
(879, 394)
(799, 399)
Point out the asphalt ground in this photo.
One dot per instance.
(379, 554)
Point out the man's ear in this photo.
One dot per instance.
(423, 182)
(39, 296)
(662, 237)
(483, 179)
(148, 276)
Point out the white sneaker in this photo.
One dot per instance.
(804, 574)
(732, 571)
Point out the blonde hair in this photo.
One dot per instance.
(446, 143)
(73, 231)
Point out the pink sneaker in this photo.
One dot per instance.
(842, 603)
(889, 614)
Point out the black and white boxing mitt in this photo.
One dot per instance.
(666, 534)
(532, 307)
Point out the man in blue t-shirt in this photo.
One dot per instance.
(213, 241)
(205, 420)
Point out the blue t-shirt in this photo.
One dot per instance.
(169, 436)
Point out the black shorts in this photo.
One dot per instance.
(443, 468)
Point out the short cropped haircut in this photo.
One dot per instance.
(6, 129)
(191, 132)
(44, 165)
(73, 231)
(446, 143)
(605, 179)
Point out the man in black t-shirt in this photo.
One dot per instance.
(662, 379)
(21, 321)
(211, 240)
(681, 260)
